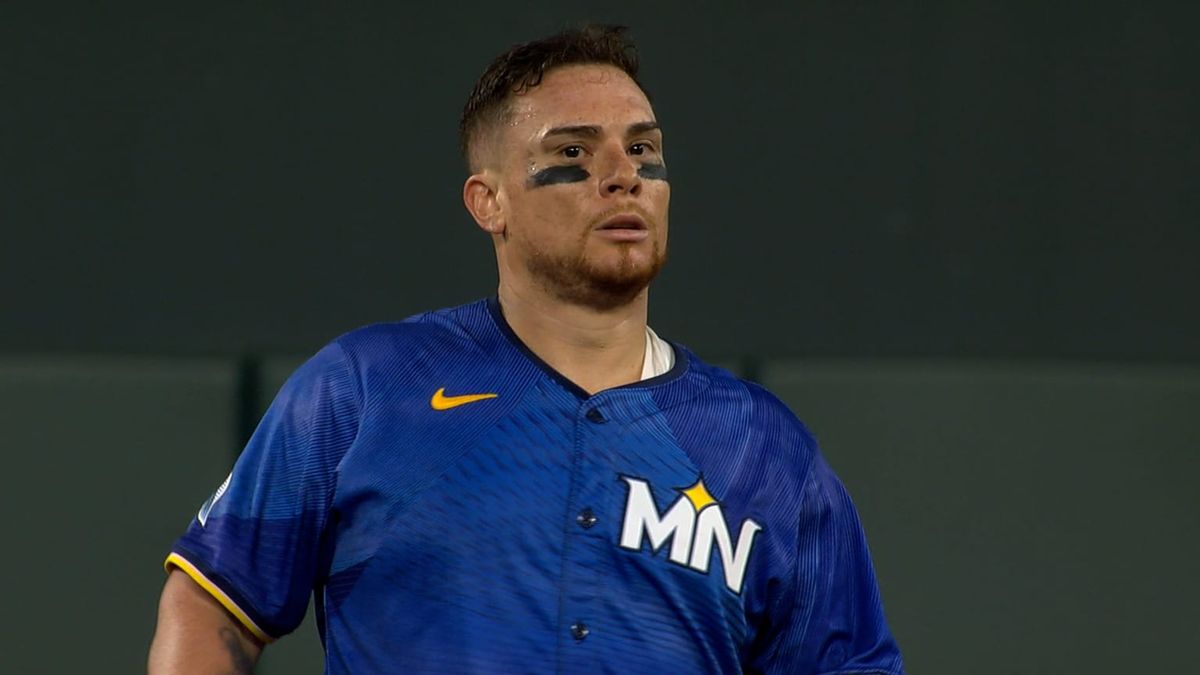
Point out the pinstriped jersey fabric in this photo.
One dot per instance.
(685, 523)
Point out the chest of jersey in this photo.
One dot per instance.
(539, 534)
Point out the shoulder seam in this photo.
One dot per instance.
(350, 364)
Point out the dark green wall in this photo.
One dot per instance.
(851, 178)
(104, 459)
(957, 238)
(1024, 516)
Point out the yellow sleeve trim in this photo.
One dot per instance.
(176, 560)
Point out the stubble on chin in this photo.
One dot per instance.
(577, 280)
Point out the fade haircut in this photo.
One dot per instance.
(523, 66)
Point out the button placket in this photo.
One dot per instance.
(593, 458)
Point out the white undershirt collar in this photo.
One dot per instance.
(659, 359)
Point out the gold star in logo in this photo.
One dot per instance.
(698, 495)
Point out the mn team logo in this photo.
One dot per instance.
(694, 524)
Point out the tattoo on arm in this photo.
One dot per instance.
(242, 663)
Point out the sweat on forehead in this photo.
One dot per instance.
(524, 67)
(595, 98)
(572, 90)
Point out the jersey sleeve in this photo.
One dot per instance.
(256, 544)
(834, 621)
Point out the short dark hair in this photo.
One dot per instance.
(523, 66)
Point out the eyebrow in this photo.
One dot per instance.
(593, 131)
(641, 128)
(588, 130)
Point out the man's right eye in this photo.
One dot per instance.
(572, 151)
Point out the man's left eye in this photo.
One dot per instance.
(638, 149)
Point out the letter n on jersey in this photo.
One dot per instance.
(693, 523)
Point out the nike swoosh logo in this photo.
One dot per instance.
(442, 402)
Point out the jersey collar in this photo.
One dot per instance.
(676, 371)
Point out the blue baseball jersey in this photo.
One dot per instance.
(455, 505)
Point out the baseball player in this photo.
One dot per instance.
(534, 482)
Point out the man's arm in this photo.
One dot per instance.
(196, 635)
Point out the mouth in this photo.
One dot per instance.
(627, 228)
(624, 222)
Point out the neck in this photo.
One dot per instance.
(595, 349)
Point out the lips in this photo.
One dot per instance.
(625, 221)
(623, 228)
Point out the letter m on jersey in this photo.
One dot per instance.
(694, 524)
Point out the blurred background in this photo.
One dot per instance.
(958, 238)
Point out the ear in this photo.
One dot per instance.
(482, 198)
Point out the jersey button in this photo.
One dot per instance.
(594, 415)
(586, 518)
(579, 630)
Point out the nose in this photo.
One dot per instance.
(620, 174)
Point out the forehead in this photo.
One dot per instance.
(580, 94)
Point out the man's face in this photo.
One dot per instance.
(583, 187)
